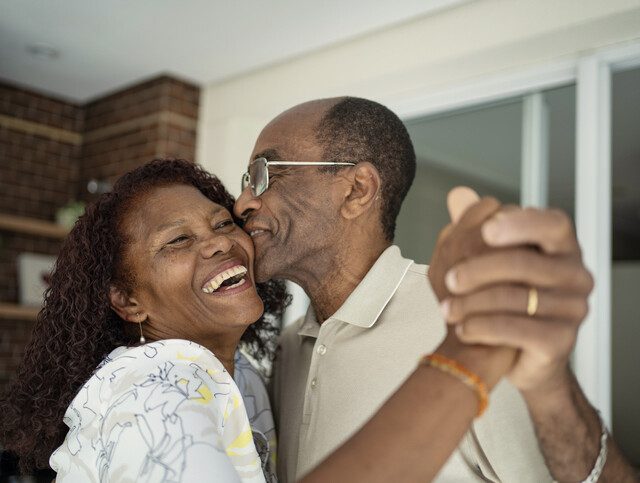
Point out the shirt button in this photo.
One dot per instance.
(322, 350)
(314, 382)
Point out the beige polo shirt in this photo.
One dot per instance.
(330, 378)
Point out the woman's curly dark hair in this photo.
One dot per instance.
(77, 328)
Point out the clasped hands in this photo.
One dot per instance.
(484, 267)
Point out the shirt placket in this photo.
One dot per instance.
(313, 388)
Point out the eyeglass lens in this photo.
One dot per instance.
(259, 175)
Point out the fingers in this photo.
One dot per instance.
(548, 340)
(521, 266)
(460, 240)
(550, 230)
(459, 200)
(512, 299)
(474, 214)
(465, 236)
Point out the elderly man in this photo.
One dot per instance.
(324, 187)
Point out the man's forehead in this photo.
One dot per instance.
(284, 141)
(292, 133)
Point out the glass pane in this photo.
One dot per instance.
(625, 283)
(561, 105)
(479, 147)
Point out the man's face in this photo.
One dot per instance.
(293, 222)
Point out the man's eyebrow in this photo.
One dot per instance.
(182, 221)
(268, 154)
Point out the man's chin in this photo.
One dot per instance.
(270, 263)
(262, 271)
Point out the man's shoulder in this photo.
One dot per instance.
(289, 333)
(415, 283)
(417, 269)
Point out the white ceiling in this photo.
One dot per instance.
(105, 44)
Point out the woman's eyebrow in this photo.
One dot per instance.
(181, 221)
(171, 224)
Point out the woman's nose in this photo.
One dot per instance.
(216, 244)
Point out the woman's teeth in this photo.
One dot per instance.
(216, 282)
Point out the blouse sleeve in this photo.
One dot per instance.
(170, 417)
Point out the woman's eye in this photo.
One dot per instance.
(224, 224)
(177, 240)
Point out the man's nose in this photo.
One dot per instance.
(246, 203)
(215, 244)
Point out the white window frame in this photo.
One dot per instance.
(591, 73)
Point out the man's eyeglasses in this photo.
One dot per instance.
(258, 174)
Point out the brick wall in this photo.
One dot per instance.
(39, 154)
(50, 148)
(126, 129)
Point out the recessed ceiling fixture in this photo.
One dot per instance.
(43, 51)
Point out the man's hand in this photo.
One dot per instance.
(491, 293)
(486, 263)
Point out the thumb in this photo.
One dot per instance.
(459, 200)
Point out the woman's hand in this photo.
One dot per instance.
(458, 241)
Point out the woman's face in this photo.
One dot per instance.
(191, 266)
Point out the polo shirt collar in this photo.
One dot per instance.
(310, 326)
(365, 304)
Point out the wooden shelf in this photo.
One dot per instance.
(32, 226)
(19, 312)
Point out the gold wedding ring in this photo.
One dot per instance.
(532, 302)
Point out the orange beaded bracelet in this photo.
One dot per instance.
(463, 374)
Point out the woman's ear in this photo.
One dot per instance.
(364, 189)
(126, 307)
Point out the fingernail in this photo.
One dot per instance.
(451, 279)
(459, 330)
(445, 308)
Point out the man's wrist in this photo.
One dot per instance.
(569, 430)
(554, 393)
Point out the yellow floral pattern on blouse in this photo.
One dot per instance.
(167, 411)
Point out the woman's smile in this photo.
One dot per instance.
(229, 278)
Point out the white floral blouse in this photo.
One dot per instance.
(168, 411)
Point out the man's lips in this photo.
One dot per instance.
(255, 230)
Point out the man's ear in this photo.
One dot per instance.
(363, 190)
(126, 307)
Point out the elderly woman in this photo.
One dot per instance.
(134, 373)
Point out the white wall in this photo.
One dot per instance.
(454, 47)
